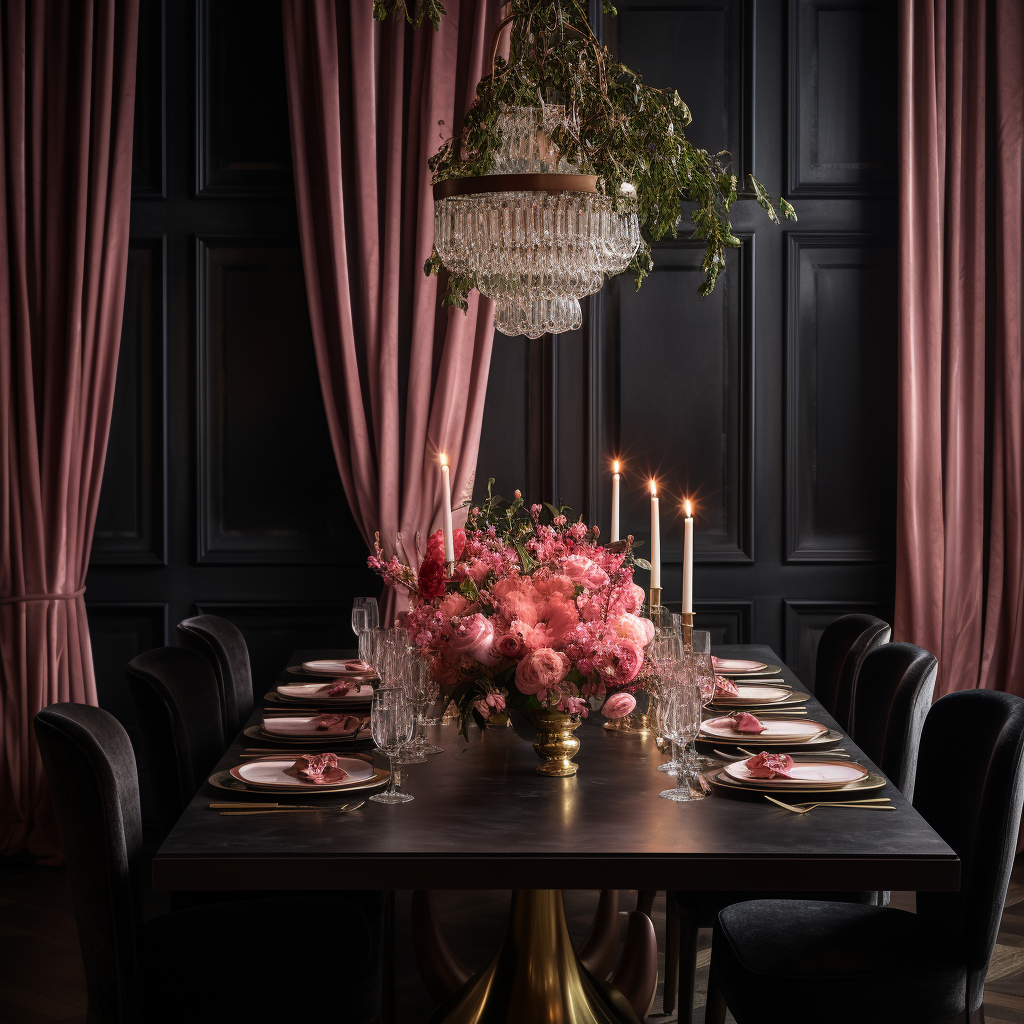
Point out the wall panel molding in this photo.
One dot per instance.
(131, 522)
(842, 89)
(841, 398)
(241, 117)
(268, 485)
(149, 143)
(805, 621)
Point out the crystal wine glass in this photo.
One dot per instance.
(683, 721)
(360, 622)
(391, 727)
(422, 690)
(398, 669)
(666, 652)
(704, 675)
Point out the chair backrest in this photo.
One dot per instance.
(970, 789)
(842, 648)
(892, 696)
(94, 787)
(177, 704)
(221, 643)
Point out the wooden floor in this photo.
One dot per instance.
(41, 978)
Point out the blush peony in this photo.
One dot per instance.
(540, 671)
(585, 572)
(473, 636)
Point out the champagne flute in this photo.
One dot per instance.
(398, 669)
(390, 727)
(683, 720)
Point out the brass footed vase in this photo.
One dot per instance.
(555, 743)
(536, 978)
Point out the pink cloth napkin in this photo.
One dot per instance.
(744, 721)
(725, 687)
(338, 725)
(320, 768)
(340, 687)
(768, 766)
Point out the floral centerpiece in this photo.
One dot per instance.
(535, 614)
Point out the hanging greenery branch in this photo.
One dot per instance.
(627, 133)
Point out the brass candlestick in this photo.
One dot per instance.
(688, 630)
(449, 570)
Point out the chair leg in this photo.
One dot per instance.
(714, 1009)
(668, 999)
(687, 932)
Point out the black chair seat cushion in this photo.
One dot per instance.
(291, 958)
(706, 905)
(836, 962)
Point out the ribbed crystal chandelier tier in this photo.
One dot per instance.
(534, 234)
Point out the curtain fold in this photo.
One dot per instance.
(402, 379)
(960, 515)
(67, 96)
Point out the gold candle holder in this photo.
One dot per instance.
(449, 570)
(655, 597)
(688, 629)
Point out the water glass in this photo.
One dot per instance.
(682, 719)
(391, 722)
(704, 676)
(422, 690)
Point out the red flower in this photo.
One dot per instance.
(430, 580)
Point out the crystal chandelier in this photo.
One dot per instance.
(534, 234)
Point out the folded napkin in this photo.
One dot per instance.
(768, 766)
(338, 725)
(744, 721)
(355, 665)
(341, 687)
(320, 768)
(725, 687)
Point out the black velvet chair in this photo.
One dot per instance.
(209, 964)
(842, 648)
(178, 708)
(805, 962)
(892, 695)
(223, 646)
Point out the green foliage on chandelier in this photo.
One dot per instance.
(625, 132)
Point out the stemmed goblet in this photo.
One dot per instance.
(704, 676)
(422, 690)
(682, 720)
(391, 722)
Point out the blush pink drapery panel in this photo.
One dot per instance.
(960, 549)
(402, 379)
(67, 97)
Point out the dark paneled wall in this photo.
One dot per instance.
(773, 401)
(220, 492)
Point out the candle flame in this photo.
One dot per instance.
(615, 466)
(689, 508)
(654, 488)
(443, 458)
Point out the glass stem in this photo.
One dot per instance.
(392, 791)
(681, 775)
(674, 752)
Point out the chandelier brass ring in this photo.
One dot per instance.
(481, 183)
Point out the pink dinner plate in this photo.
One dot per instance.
(726, 665)
(317, 692)
(303, 726)
(754, 693)
(817, 774)
(277, 772)
(775, 731)
(336, 667)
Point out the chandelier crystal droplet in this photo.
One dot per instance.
(536, 252)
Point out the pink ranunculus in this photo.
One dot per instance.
(618, 705)
(473, 636)
(585, 572)
(510, 644)
(541, 670)
(631, 627)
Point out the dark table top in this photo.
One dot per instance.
(484, 819)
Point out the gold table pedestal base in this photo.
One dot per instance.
(536, 978)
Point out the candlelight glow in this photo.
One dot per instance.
(443, 458)
(689, 508)
(615, 466)
(654, 488)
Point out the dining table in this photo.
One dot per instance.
(483, 818)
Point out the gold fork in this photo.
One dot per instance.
(881, 804)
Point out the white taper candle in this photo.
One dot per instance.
(446, 511)
(615, 501)
(655, 538)
(688, 559)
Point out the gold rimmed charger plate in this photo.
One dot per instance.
(739, 704)
(333, 703)
(753, 738)
(719, 779)
(823, 742)
(768, 670)
(257, 732)
(225, 780)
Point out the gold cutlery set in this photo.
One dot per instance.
(238, 808)
(881, 803)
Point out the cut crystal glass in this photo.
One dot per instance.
(535, 253)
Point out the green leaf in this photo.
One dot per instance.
(642, 563)
(469, 591)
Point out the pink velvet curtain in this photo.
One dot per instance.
(402, 379)
(960, 556)
(67, 96)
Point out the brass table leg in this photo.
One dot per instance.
(536, 976)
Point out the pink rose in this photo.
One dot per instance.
(634, 629)
(618, 705)
(548, 584)
(585, 572)
(510, 644)
(541, 671)
(452, 605)
(473, 636)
